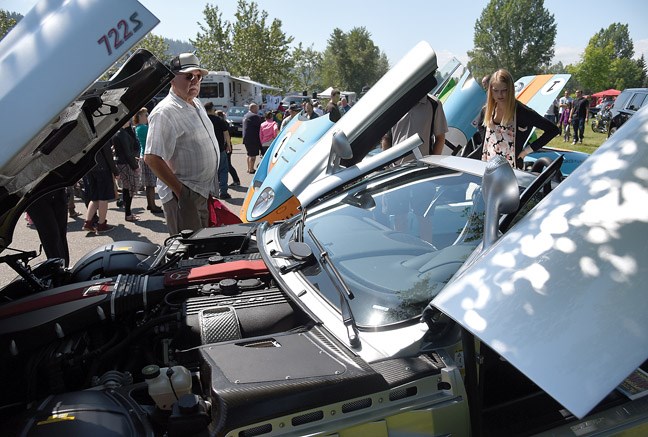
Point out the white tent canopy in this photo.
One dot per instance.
(326, 94)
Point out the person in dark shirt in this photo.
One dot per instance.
(332, 108)
(49, 215)
(578, 116)
(221, 129)
(127, 159)
(236, 181)
(99, 189)
(251, 140)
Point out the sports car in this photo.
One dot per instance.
(269, 199)
(445, 296)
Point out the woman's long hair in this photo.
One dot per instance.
(502, 78)
(139, 115)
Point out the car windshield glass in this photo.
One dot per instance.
(395, 240)
(236, 111)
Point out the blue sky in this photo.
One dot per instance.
(396, 27)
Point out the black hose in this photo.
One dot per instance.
(128, 340)
(167, 297)
(174, 258)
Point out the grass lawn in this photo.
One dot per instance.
(591, 142)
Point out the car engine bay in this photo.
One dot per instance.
(91, 335)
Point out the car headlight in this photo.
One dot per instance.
(263, 202)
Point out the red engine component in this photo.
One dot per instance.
(240, 269)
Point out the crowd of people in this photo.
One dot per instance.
(180, 153)
(570, 115)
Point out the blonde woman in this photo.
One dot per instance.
(506, 124)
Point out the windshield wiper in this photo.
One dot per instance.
(343, 290)
(299, 232)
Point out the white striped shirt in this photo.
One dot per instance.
(183, 136)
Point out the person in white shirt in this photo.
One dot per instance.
(564, 103)
(294, 110)
(182, 149)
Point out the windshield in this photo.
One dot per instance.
(396, 240)
(237, 111)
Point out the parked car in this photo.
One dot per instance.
(625, 106)
(358, 316)
(234, 116)
(269, 198)
(297, 99)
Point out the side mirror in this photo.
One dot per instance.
(501, 196)
(340, 149)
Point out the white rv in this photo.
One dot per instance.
(225, 90)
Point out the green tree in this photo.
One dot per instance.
(156, 45)
(352, 60)
(593, 72)
(306, 71)
(557, 68)
(251, 46)
(153, 43)
(518, 35)
(626, 73)
(641, 63)
(333, 65)
(214, 44)
(259, 50)
(607, 61)
(6, 23)
(618, 35)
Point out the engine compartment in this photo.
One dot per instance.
(82, 346)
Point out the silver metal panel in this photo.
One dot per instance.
(416, 65)
(331, 182)
(54, 53)
(562, 295)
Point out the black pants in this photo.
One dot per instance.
(49, 215)
(232, 170)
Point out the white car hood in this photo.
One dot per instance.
(562, 295)
(371, 117)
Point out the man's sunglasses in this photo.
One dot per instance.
(190, 77)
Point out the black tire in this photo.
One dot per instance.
(594, 124)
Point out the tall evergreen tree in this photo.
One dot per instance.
(641, 63)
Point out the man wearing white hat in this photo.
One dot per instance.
(182, 149)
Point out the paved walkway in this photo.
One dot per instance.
(150, 227)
